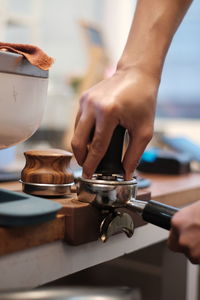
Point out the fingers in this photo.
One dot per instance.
(83, 128)
(184, 235)
(100, 142)
(83, 108)
(77, 119)
(136, 146)
(173, 241)
(175, 244)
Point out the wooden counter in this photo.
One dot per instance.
(54, 259)
(70, 227)
(76, 223)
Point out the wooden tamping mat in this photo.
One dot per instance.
(76, 223)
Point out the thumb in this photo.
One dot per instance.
(98, 146)
(135, 149)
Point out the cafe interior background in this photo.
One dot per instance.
(86, 38)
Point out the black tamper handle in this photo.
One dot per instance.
(111, 162)
(159, 214)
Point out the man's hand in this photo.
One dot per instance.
(185, 232)
(127, 98)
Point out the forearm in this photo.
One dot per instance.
(152, 30)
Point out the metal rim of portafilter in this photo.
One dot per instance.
(106, 191)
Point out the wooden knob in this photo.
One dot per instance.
(47, 166)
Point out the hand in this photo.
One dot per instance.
(185, 232)
(127, 98)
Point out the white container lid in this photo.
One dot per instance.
(17, 64)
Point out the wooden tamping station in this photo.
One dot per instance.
(47, 174)
(109, 198)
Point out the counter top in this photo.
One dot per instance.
(56, 258)
(71, 228)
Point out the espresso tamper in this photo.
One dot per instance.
(108, 191)
(46, 173)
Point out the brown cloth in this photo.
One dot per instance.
(33, 54)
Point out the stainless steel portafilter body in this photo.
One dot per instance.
(114, 192)
(107, 192)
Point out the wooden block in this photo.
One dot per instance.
(20, 238)
(83, 220)
(76, 223)
(79, 222)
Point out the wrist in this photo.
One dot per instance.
(124, 65)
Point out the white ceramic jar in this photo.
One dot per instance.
(23, 94)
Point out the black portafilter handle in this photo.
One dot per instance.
(112, 160)
(159, 214)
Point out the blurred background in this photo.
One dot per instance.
(86, 38)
